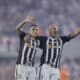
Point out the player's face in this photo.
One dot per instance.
(33, 31)
(52, 30)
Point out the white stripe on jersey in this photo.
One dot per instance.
(47, 50)
(60, 51)
(23, 52)
(38, 42)
(34, 50)
(52, 51)
(29, 52)
(33, 55)
(59, 47)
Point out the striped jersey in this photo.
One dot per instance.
(52, 48)
(26, 54)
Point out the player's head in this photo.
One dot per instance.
(52, 30)
(33, 30)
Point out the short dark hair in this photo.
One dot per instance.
(34, 25)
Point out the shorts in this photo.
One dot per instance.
(48, 72)
(23, 72)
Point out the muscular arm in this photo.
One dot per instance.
(74, 34)
(21, 24)
(70, 36)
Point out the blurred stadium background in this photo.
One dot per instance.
(64, 13)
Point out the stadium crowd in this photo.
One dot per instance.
(64, 13)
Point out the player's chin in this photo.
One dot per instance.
(35, 35)
(53, 35)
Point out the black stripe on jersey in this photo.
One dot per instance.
(31, 54)
(57, 61)
(33, 58)
(49, 55)
(33, 44)
(37, 43)
(23, 53)
(32, 50)
(27, 53)
(48, 50)
(59, 51)
(55, 50)
(24, 61)
(21, 47)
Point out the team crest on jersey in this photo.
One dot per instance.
(49, 46)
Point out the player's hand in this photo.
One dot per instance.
(27, 39)
(78, 30)
(29, 19)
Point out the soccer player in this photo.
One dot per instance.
(52, 48)
(27, 51)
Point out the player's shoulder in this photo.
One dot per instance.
(65, 38)
(22, 34)
(42, 37)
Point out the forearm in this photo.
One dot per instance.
(75, 34)
(26, 20)
(20, 25)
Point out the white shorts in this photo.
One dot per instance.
(23, 72)
(49, 73)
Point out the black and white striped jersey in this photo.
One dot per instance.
(52, 49)
(26, 54)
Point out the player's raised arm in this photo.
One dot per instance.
(26, 20)
(76, 33)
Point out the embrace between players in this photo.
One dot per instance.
(51, 52)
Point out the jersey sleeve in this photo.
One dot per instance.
(65, 38)
(22, 34)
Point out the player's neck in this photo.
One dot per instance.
(33, 37)
(54, 36)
